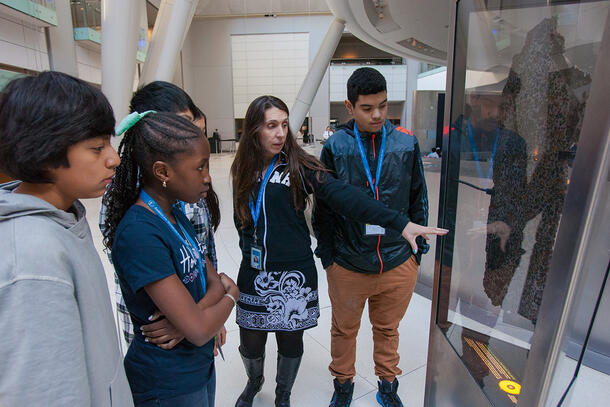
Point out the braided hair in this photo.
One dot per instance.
(156, 137)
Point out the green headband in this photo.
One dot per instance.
(130, 120)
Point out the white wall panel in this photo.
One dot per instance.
(210, 76)
(267, 64)
(13, 54)
(23, 45)
(395, 76)
(89, 64)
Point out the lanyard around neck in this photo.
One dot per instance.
(188, 243)
(475, 153)
(365, 163)
(256, 211)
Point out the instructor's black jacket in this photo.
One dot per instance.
(281, 229)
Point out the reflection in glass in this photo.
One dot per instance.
(516, 127)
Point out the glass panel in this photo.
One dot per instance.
(589, 318)
(50, 4)
(86, 13)
(517, 112)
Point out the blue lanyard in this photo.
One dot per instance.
(365, 162)
(187, 243)
(261, 192)
(475, 153)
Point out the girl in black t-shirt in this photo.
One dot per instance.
(158, 261)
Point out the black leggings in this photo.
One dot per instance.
(252, 343)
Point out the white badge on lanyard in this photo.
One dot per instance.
(256, 254)
(373, 230)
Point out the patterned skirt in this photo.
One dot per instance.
(278, 300)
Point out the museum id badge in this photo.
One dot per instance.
(373, 230)
(256, 258)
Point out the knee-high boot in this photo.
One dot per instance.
(254, 370)
(287, 369)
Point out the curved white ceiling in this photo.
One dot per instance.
(250, 7)
(409, 28)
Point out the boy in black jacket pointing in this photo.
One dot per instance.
(368, 262)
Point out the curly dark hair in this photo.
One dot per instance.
(41, 116)
(156, 137)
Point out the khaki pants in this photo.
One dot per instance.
(388, 294)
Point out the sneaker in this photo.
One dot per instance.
(342, 397)
(387, 396)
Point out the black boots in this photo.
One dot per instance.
(342, 397)
(387, 395)
(254, 370)
(287, 369)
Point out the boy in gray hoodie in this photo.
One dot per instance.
(60, 346)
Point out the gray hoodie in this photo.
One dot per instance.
(59, 342)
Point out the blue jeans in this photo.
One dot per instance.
(201, 398)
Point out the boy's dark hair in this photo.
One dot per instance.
(364, 81)
(41, 116)
(198, 114)
(167, 97)
(157, 136)
(162, 97)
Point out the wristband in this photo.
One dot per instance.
(231, 297)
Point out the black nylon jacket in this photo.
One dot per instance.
(401, 187)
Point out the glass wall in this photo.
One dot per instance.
(514, 136)
(86, 13)
(50, 4)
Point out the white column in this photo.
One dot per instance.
(171, 27)
(312, 81)
(60, 41)
(120, 26)
(406, 120)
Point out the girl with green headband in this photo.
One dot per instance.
(159, 262)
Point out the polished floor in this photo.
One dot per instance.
(313, 386)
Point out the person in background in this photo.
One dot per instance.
(327, 133)
(60, 343)
(433, 153)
